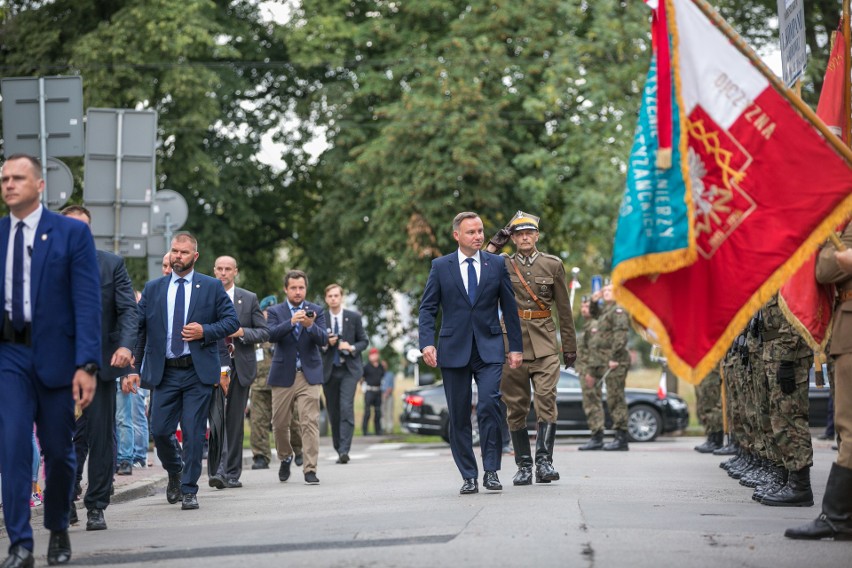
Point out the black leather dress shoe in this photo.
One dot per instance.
(19, 557)
(469, 486)
(260, 462)
(284, 470)
(95, 520)
(344, 458)
(125, 468)
(491, 482)
(173, 488)
(59, 548)
(233, 483)
(73, 519)
(190, 501)
(217, 481)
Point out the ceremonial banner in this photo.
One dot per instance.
(754, 188)
(805, 302)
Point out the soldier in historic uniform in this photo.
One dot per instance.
(787, 360)
(541, 290)
(708, 407)
(592, 390)
(609, 362)
(835, 520)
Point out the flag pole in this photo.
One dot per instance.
(847, 83)
(782, 89)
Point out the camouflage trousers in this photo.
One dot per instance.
(543, 375)
(261, 424)
(616, 401)
(593, 405)
(767, 446)
(789, 416)
(708, 402)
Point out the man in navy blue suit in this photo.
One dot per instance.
(50, 352)
(298, 330)
(181, 318)
(472, 288)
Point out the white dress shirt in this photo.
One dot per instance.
(29, 228)
(172, 293)
(477, 265)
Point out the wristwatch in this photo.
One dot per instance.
(90, 368)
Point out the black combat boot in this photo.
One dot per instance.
(523, 457)
(594, 443)
(544, 472)
(713, 443)
(835, 521)
(776, 480)
(734, 461)
(797, 492)
(753, 477)
(728, 449)
(744, 466)
(619, 444)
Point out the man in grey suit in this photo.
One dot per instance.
(341, 368)
(95, 427)
(242, 346)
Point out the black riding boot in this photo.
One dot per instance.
(544, 472)
(594, 443)
(835, 521)
(797, 492)
(523, 457)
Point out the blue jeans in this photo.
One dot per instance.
(123, 425)
(140, 426)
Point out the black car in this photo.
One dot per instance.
(425, 411)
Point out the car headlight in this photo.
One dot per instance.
(676, 403)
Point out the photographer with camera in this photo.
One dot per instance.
(297, 328)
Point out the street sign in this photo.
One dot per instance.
(127, 247)
(120, 156)
(134, 222)
(169, 211)
(794, 54)
(59, 184)
(52, 106)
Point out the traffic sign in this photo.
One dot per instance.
(794, 54)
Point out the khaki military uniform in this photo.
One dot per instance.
(545, 275)
(261, 412)
(608, 342)
(828, 272)
(787, 361)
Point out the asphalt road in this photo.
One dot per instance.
(660, 504)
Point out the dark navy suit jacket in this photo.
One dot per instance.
(65, 294)
(119, 319)
(283, 370)
(209, 305)
(462, 322)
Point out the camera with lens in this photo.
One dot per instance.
(310, 313)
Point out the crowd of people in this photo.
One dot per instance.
(189, 350)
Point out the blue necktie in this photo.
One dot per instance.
(471, 280)
(336, 359)
(18, 279)
(177, 319)
(297, 329)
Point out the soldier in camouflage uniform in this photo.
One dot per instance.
(541, 291)
(261, 409)
(609, 358)
(835, 519)
(787, 360)
(708, 407)
(592, 395)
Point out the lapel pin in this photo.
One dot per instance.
(44, 236)
(239, 301)
(198, 285)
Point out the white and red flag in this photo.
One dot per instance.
(755, 186)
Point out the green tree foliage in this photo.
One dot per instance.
(218, 79)
(439, 106)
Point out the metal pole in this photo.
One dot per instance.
(116, 237)
(42, 135)
(574, 272)
(782, 89)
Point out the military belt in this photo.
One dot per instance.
(533, 314)
(845, 295)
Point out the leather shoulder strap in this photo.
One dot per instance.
(526, 286)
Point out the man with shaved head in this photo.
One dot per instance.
(242, 345)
